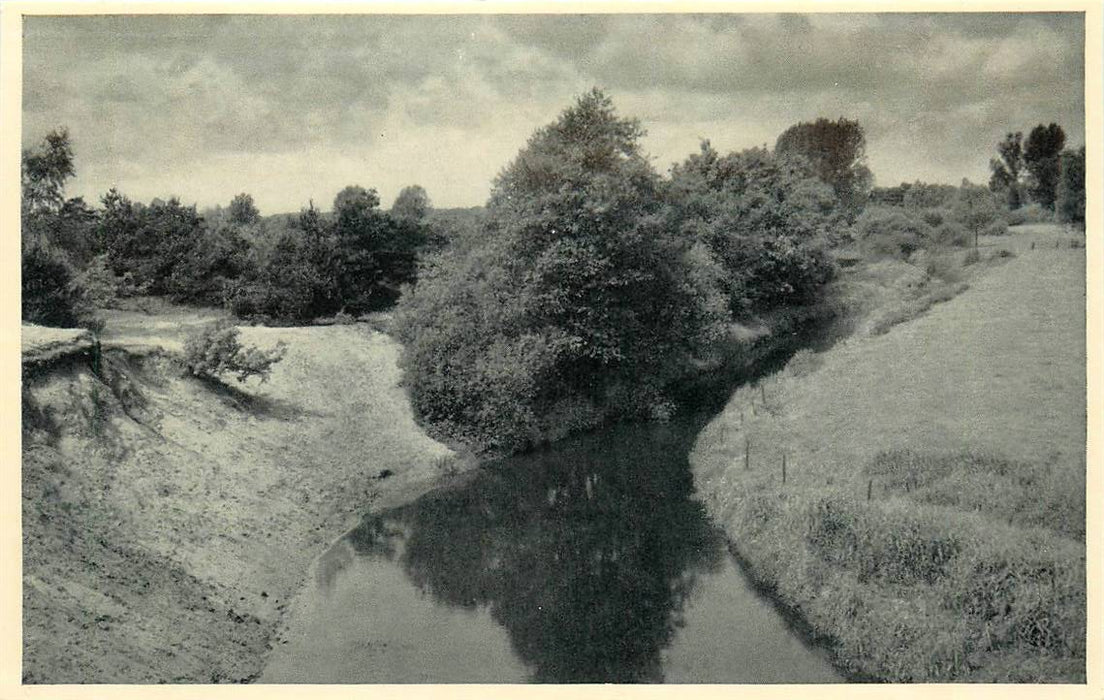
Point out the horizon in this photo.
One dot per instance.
(294, 108)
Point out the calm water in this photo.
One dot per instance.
(588, 562)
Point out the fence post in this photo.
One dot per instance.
(783, 468)
(869, 489)
(747, 453)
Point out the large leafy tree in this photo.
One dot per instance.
(411, 205)
(1070, 193)
(375, 255)
(1007, 170)
(837, 152)
(45, 170)
(243, 211)
(1042, 150)
(578, 302)
(766, 220)
(55, 234)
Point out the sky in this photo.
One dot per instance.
(294, 108)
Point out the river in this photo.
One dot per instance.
(586, 562)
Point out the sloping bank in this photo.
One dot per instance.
(168, 521)
(917, 498)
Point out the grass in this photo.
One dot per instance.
(932, 521)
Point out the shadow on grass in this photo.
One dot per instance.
(252, 404)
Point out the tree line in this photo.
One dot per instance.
(1040, 170)
(586, 289)
(76, 257)
(598, 284)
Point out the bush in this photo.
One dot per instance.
(944, 267)
(936, 217)
(99, 286)
(997, 227)
(952, 233)
(51, 293)
(891, 232)
(1030, 214)
(215, 349)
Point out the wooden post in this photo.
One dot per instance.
(869, 489)
(747, 454)
(763, 393)
(783, 468)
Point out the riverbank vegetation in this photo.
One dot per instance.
(597, 284)
(591, 288)
(586, 288)
(918, 496)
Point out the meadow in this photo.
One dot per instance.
(916, 492)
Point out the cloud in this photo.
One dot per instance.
(291, 107)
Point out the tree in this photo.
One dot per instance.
(575, 305)
(297, 280)
(837, 152)
(411, 205)
(1041, 153)
(45, 170)
(242, 210)
(766, 220)
(362, 232)
(354, 202)
(1070, 193)
(1007, 170)
(975, 208)
(52, 232)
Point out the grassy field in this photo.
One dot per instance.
(917, 494)
(168, 521)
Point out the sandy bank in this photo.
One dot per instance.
(167, 521)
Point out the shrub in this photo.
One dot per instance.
(215, 349)
(944, 267)
(891, 232)
(952, 233)
(936, 216)
(997, 227)
(98, 284)
(1030, 214)
(972, 256)
(51, 293)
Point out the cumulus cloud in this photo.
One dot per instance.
(291, 108)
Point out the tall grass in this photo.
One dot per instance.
(914, 585)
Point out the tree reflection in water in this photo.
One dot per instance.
(585, 554)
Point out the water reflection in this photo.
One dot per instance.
(585, 555)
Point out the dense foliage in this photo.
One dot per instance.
(1042, 150)
(1070, 191)
(1007, 170)
(837, 152)
(1031, 170)
(76, 258)
(595, 284)
(52, 235)
(927, 217)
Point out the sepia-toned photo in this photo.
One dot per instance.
(507, 348)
